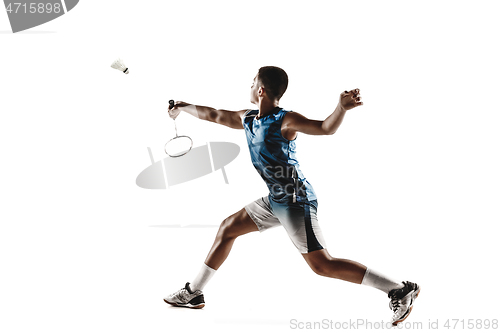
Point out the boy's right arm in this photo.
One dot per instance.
(227, 118)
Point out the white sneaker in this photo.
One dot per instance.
(402, 301)
(186, 298)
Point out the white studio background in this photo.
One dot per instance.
(408, 185)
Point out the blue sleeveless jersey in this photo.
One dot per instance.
(274, 157)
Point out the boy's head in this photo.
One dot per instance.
(272, 80)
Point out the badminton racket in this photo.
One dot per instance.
(178, 146)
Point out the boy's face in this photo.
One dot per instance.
(254, 90)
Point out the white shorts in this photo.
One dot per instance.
(299, 220)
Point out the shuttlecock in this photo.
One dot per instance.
(118, 64)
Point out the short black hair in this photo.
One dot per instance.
(274, 80)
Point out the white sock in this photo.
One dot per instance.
(376, 280)
(202, 278)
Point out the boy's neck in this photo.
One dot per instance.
(266, 107)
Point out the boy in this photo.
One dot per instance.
(292, 203)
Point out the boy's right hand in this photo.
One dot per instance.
(174, 111)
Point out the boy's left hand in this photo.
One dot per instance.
(350, 99)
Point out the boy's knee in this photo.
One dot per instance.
(323, 265)
(236, 225)
(318, 268)
(228, 228)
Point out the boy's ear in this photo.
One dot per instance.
(261, 91)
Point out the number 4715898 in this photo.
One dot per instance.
(33, 8)
(471, 324)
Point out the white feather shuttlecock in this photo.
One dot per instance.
(118, 64)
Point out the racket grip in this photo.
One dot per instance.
(171, 103)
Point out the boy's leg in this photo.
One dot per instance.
(256, 216)
(323, 264)
(301, 223)
(235, 225)
(300, 220)
(402, 294)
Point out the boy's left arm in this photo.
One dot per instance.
(298, 123)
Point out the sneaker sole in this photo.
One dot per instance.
(413, 298)
(189, 306)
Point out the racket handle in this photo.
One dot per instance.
(171, 103)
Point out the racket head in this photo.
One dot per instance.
(179, 146)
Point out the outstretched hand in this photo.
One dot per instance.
(174, 111)
(350, 99)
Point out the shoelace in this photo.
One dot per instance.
(395, 303)
(396, 300)
(180, 293)
(183, 295)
